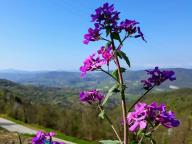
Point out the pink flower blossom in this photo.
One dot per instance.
(91, 96)
(91, 63)
(157, 114)
(137, 119)
(106, 53)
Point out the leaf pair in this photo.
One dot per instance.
(122, 55)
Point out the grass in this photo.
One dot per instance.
(59, 134)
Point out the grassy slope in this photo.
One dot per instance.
(59, 134)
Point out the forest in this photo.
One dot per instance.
(75, 119)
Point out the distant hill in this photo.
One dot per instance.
(62, 79)
(38, 94)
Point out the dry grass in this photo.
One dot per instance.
(12, 138)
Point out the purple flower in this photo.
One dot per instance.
(106, 16)
(147, 84)
(140, 34)
(91, 63)
(137, 119)
(106, 52)
(91, 96)
(50, 134)
(130, 26)
(157, 77)
(160, 115)
(156, 114)
(92, 35)
(168, 120)
(39, 138)
(44, 138)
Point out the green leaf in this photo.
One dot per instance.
(109, 142)
(122, 55)
(110, 92)
(140, 132)
(101, 114)
(116, 36)
(107, 30)
(115, 73)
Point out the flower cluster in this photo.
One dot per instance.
(91, 96)
(130, 26)
(157, 77)
(107, 18)
(44, 138)
(159, 114)
(93, 62)
(106, 53)
(156, 114)
(92, 35)
(137, 119)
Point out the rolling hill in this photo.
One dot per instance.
(62, 79)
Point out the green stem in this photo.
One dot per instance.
(122, 91)
(105, 39)
(141, 139)
(109, 75)
(111, 124)
(140, 98)
(143, 135)
(20, 141)
(121, 43)
(149, 133)
(155, 128)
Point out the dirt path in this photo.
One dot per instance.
(14, 127)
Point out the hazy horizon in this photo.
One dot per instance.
(63, 70)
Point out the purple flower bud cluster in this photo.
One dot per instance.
(91, 96)
(93, 62)
(130, 27)
(107, 18)
(157, 77)
(92, 35)
(156, 114)
(44, 138)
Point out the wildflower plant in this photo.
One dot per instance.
(44, 138)
(140, 119)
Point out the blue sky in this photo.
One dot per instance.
(48, 34)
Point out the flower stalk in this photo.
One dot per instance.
(111, 124)
(122, 92)
(143, 117)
